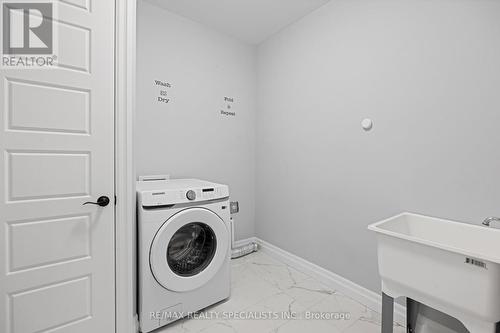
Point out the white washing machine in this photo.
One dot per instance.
(184, 249)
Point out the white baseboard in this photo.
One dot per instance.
(367, 297)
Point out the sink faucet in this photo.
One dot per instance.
(490, 219)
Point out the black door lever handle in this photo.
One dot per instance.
(102, 201)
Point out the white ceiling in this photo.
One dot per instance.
(249, 20)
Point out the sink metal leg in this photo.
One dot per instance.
(411, 314)
(387, 314)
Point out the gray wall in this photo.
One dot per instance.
(188, 137)
(427, 73)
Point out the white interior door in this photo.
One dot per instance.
(57, 152)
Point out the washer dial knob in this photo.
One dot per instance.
(191, 195)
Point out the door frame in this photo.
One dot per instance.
(126, 320)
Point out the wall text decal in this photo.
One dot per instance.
(164, 91)
(228, 107)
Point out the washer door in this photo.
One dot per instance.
(189, 249)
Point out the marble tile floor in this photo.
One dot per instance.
(269, 296)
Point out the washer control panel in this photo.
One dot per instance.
(178, 191)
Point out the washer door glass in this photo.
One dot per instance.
(191, 249)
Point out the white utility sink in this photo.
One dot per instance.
(451, 266)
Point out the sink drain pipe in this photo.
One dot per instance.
(238, 252)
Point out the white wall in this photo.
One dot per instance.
(188, 137)
(427, 73)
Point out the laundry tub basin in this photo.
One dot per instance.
(450, 266)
